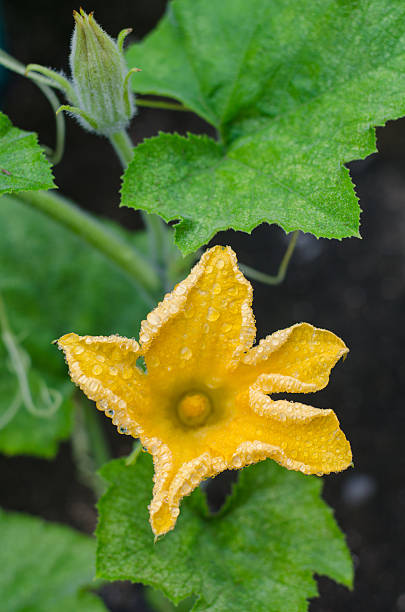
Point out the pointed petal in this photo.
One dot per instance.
(297, 359)
(104, 367)
(297, 436)
(202, 328)
(172, 485)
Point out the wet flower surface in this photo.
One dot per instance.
(202, 406)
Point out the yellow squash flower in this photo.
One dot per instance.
(202, 405)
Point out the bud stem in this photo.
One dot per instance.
(123, 147)
(155, 226)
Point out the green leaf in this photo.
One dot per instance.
(51, 283)
(258, 553)
(294, 93)
(45, 567)
(23, 165)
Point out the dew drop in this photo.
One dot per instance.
(209, 269)
(180, 290)
(122, 404)
(79, 350)
(97, 370)
(216, 290)
(226, 327)
(123, 429)
(220, 264)
(110, 412)
(186, 353)
(237, 461)
(188, 313)
(113, 371)
(213, 314)
(100, 358)
(206, 328)
(153, 318)
(127, 373)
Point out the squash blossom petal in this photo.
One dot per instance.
(202, 406)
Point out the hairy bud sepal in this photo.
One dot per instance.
(99, 78)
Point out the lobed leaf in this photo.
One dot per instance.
(294, 93)
(52, 283)
(258, 553)
(23, 165)
(45, 567)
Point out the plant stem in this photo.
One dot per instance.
(156, 228)
(123, 147)
(160, 104)
(134, 454)
(95, 233)
(89, 446)
(267, 279)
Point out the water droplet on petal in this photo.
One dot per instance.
(113, 371)
(186, 353)
(226, 327)
(220, 264)
(110, 412)
(122, 404)
(213, 314)
(180, 290)
(97, 370)
(153, 318)
(216, 290)
(79, 350)
(127, 374)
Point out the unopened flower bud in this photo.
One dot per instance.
(99, 77)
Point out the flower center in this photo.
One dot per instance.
(194, 409)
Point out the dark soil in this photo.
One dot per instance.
(355, 288)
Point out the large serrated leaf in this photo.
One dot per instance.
(294, 92)
(44, 567)
(52, 283)
(23, 166)
(258, 553)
